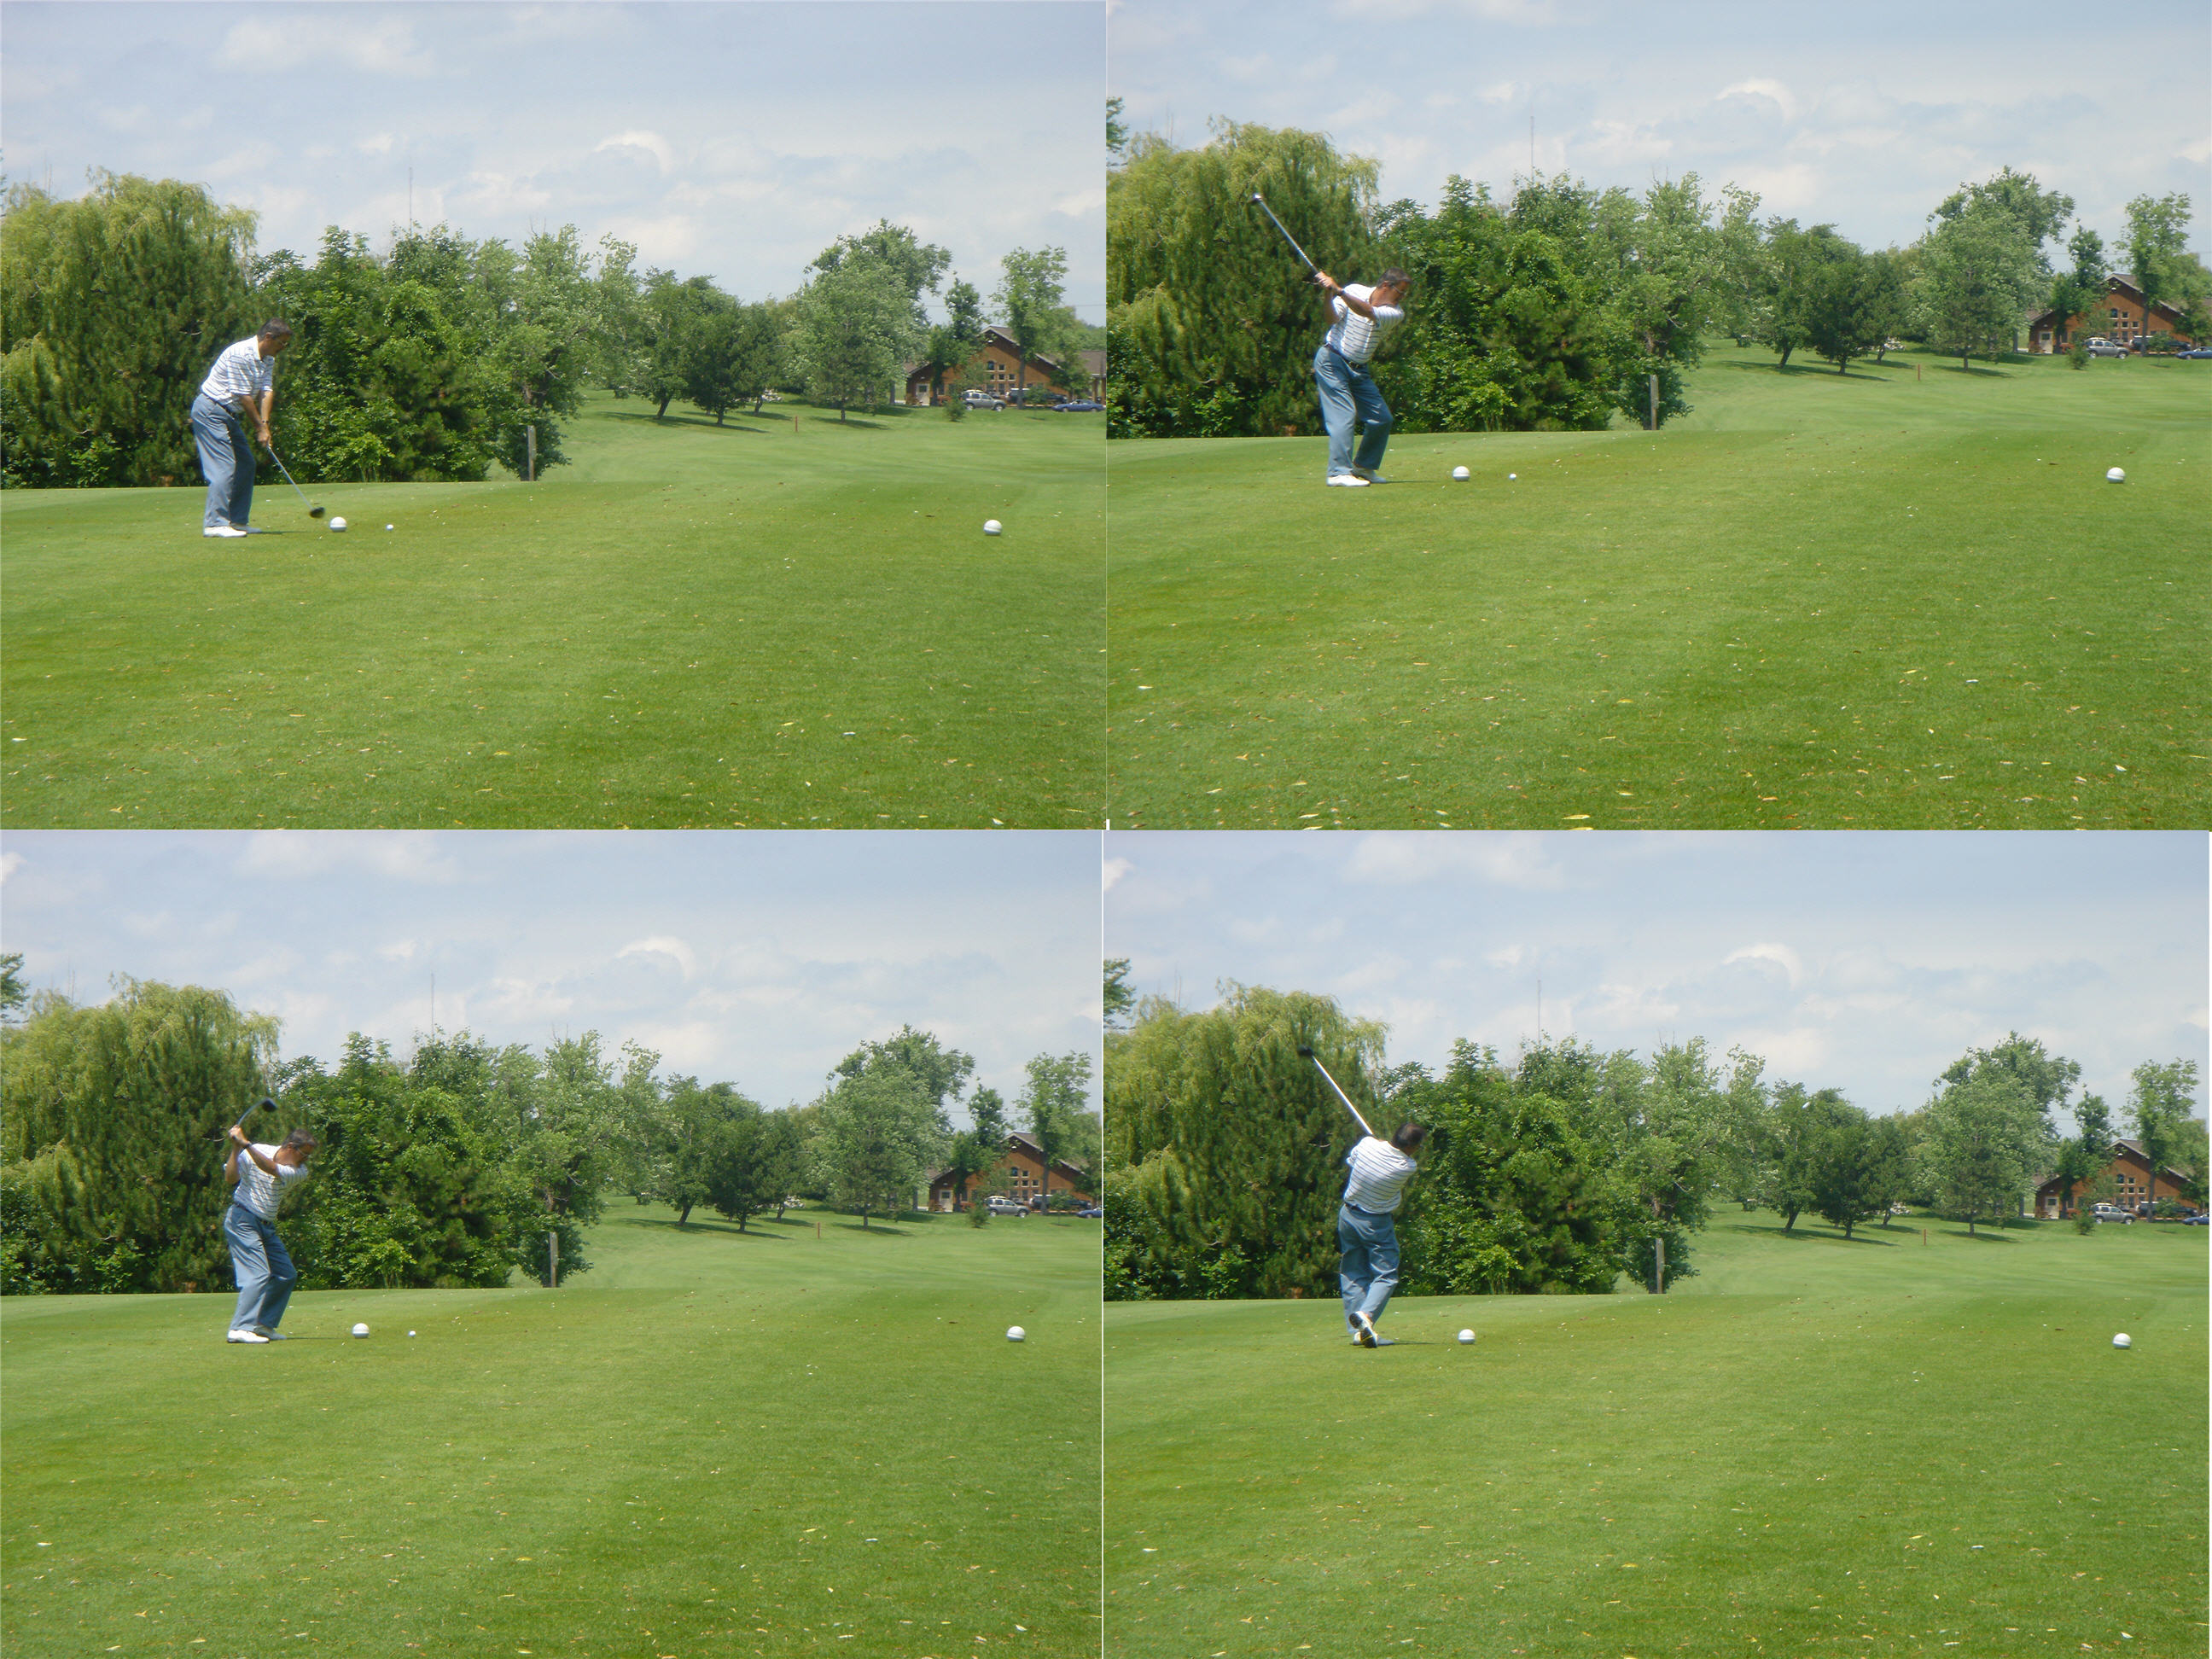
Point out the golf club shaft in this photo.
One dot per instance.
(296, 490)
(1340, 1095)
(1263, 204)
(251, 1110)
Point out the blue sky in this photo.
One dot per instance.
(735, 141)
(1866, 962)
(1864, 115)
(757, 958)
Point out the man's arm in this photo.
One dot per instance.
(250, 1151)
(1330, 290)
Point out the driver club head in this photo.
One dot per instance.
(1304, 1052)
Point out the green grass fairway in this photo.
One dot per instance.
(1904, 598)
(710, 1444)
(689, 626)
(1878, 1447)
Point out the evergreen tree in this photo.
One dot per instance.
(111, 1136)
(112, 309)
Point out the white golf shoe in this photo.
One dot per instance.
(1364, 1331)
(242, 1335)
(1342, 480)
(222, 529)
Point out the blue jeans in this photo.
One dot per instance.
(265, 1272)
(1347, 392)
(1369, 1270)
(226, 458)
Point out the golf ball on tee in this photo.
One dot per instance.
(2117, 476)
(2121, 1341)
(411, 1333)
(1459, 472)
(360, 1330)
(1015, 1333)
(1466, 1336)
(1513, 475)
(991, 526)
(337, 523)
(387, 526)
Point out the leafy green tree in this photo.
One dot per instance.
(111, 308)
(111, 1120)
(912, 263)
(1669, 1130)
(1508, 329)
(1888, 1175)
(1119, 998)
(1051, 1101)
(2045, 1077)
(2080, 292)
(2035, 214)
(1514, 1198)
(878, 1130)
(410, 1187)
(976, 1152)
(1984, 1137)
(1978, 276)
(1840, 1170)
(2159, 1101)
(1230, 1143)
(1211, 319)
(856, 327)
(1795, 1121)
(2157, 244)
(1663, 262)
(1850, 306)
(1030, 299)
(749, 1165)
(13, 996)
(2081, 1157)
(951, 344)
(1796, 267)
(567, 1143)
(1117, 131)
(701, 1132)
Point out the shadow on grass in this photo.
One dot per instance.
(698, 422)
(660, 1225)
(1981, 1236)
(1799, 1234)
(1795, 369)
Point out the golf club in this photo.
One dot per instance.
(248, 1112)
(313, 511)
(1305, 1053)
(1260, 202)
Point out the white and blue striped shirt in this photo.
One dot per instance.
(241, 372)
(1379, 1174)
(1354, 338)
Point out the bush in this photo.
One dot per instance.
(978, 1215)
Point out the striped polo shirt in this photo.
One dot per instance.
(1354, 338)
(241, 372)
(1379, 1174)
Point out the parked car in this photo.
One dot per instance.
(2196, 351)
(2112, 1212)
(2101, 347)
(977, 399)
(998, 1204)
(1081, 406)
(2200, 1219)
(1093, 1211)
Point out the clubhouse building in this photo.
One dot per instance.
(998, 366)
(2122, 320)
(2132, 1184)
(1021, 1175)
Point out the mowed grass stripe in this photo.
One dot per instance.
(1863, 601)
(692, 627)
(730, 1444)
(1890, 1447)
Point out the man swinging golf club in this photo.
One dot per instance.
(242, 386)
(1366, 1236)
(1360, 317)
(259, 1173)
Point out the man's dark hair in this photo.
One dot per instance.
(303, 1139)
(1409, 1137)
(274, 328)
(1394, 278)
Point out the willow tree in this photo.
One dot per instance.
(111, 1136)
(1231, 1143)
(1212, 321)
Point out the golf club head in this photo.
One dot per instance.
(314, 512)
(1304, 1052)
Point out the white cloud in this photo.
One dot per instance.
(377, 143)
(1772, 92)
(1780, 955)
(662, 945)
(324, 39)
(1113, 870)
(1511, 860)
(651, 143)
(9, 864)
(406, 855)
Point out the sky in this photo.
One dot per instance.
(757, 958)
(1864, 116)
(1866, 962)
(735, 141)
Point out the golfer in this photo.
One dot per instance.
(1360, 317)
(1366, 1234)
(259, 1173)
(241, 387)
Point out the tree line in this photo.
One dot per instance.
(455, 1163)
(1563, 1171)
(428, 359)
(1556, 308)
